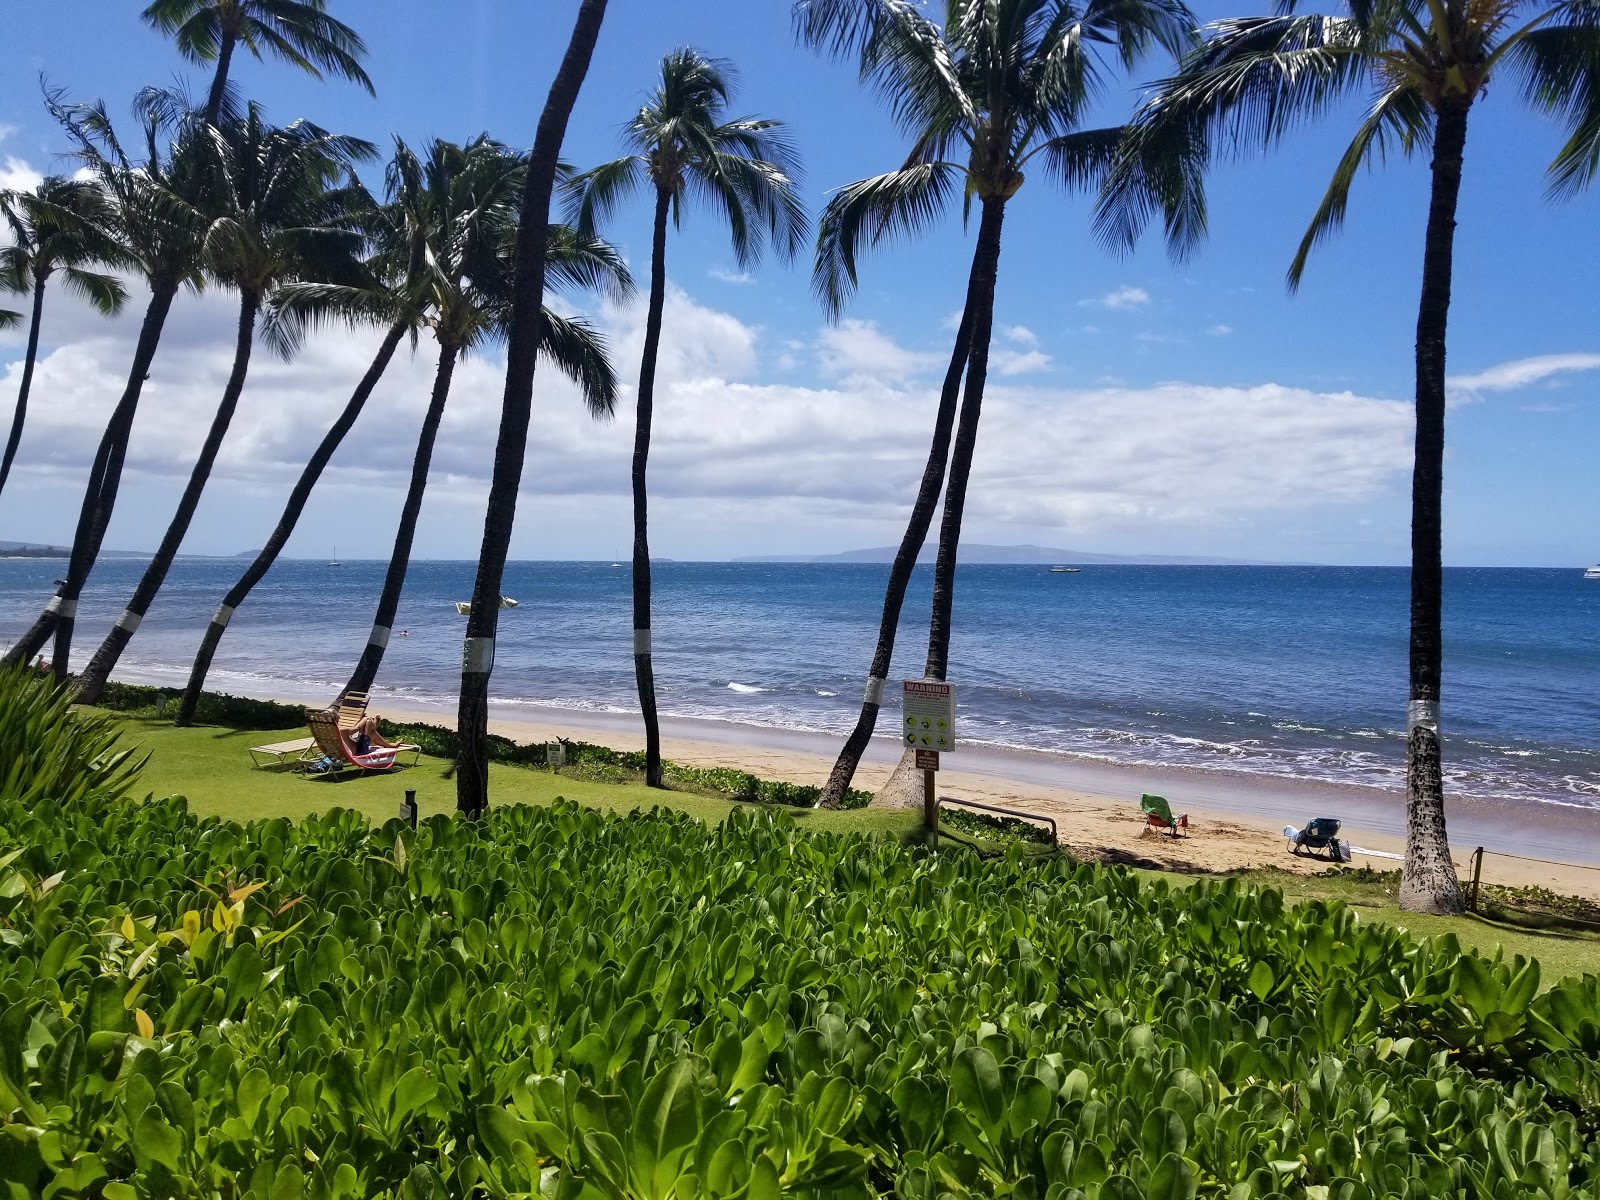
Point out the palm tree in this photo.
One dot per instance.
(298, 31)
(62, 225)
(158, 220)
(997, 85)
(467, 199)
(516, 409)
(1428, 62)
(681, 141)
(276, 214)
(439, 244)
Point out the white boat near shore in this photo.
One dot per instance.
(464, 607)
(1592, 573)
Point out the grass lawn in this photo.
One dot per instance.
(211, 767)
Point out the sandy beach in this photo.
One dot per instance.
(1234, 821)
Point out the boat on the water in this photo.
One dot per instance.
(1592, 573)
(464, 607)
(1065, 570)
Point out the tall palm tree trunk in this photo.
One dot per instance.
(21, 413)
(905, 562)
(219, 79)
(986, 269)
(643, 670)
(903, 787)
(516, 409)
(296, 504)
(99, 496)
(394, 581)
(95, 675)
(1428, 882)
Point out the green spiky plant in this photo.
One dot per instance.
(681, 143)
(52, 754)
(990, 90)
(1421, 65)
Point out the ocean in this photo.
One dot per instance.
(1263, 671)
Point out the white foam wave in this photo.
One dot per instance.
(747, 689)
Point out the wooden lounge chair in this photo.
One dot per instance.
(352, 707)
(1321, 835)
(1158, 815)
(278, 753)
(334, 743)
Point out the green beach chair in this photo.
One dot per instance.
(1158, 814)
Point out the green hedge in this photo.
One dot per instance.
(557, 1002)
(239, 712)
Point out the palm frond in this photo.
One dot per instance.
(1399, 119)
(9, 318)
(104, 293)
(582, 262)
(581, 353)
(870, 211)
(592, 196)
(1557, 67)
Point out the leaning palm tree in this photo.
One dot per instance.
(63, 225)
(278, 213)
(298, 31)
(159, 219)
(516, 409)
(681, 142)
(439, 215)
(467, 199)
(1424, 64)
(994, 88)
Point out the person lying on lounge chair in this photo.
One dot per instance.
(364, 735)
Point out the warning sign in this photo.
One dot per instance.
(929, 715)
(927, 760)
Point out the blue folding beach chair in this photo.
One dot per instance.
(1321, 835)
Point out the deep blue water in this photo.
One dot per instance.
(1268, 670)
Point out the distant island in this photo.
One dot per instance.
(976, 553)
(31, 550)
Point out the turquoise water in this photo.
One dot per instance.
(1279, 671)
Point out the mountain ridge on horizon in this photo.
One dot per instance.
(1026, 554)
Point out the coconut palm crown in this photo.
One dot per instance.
(299, 32)
(62, 227)
(683, 143)
(981, 95)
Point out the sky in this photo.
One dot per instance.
(1135, 405)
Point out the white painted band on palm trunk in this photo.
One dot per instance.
(379, 636)
(223, 615)
(641, 641)
(1422, 714)
(130, 621)
(875, 689)
(65, 609)
(477, 657)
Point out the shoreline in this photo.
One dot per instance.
(1236, 820)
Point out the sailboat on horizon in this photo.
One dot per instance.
(334, 561)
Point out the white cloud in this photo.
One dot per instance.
(1219, 331)
(857, 350)
(727, 275)
(18, 175)
(1119, 299)
(1022, 335)
(725, 439)
(1522, 372)
(1023, 362)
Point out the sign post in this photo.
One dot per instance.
(928, 724)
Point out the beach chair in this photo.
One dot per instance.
(1320, 835)
(1158, 815)
(352, 707)
(336, 748)
(278, 753)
